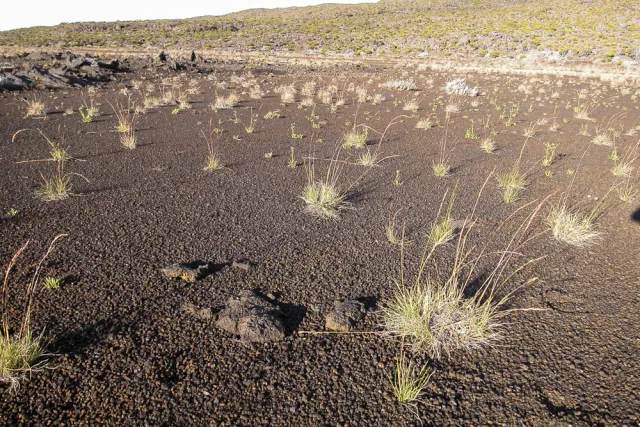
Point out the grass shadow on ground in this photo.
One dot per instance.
(75, 342)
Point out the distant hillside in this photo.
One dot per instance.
(592, 29)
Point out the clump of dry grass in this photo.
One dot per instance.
(411, 105)
(287, 93)
(391, 232)
(624, 166)
(55, 187)
(307, 102)
(225, 102)
(126, 123)
(402, 84)
(325, 197)
(35, 107)
(256, 92)
(21, 352)
(460, 87)
(425, 123)
(88, 111)
(511, 185)
(438, 320)
(213, 161)
(309, 88)
(436, 316)
(441, 169)
(584, 111)
(488, 145)
(361, 92)
(626, 191)
(408, 382)
(368, 158)
(441, 166)
(378, 98)
(442, 230)
(622, 169)
(602, 139)
(572, 227)
(452, 108)
(355, 138)
(325, 95)
(151, 102)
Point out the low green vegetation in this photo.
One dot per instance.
(516, 29)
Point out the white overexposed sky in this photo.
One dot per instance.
(49, 12)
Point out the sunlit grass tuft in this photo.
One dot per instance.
(511, 185)
(574, 228)
(324, 197)
(355, 139)
(408, 382)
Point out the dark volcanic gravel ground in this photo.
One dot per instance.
(127, 353)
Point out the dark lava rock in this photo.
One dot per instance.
(77, 62)
(345, 315)
(11, 82)
(113, 65)
(187, 272)
(39, 56)
(162, 57)
(252, 317)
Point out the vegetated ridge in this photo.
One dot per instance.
(596, 30)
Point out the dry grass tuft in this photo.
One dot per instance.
(408, 382)
(35, 107)
(511, 185)
(403, 84)
(488, 145)
(460, 87)
(355, 138)
(21, 352)
(437, 316)
(324, 197)
(225, 102)
(574, 228)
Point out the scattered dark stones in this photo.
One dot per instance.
(252, 317)
(187, 272)
(345, 315)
